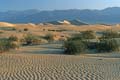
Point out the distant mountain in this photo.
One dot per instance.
(109, 15)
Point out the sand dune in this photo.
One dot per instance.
(57, 67)
(64, 22)
(5, 24)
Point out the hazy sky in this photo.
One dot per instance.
(56, 4)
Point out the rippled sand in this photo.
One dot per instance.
(57, 67)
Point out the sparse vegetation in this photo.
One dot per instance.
(6, 45)
(83, 42)
(109, 34)
(30, 39)
(85, 35)
(88, 35)
(13, 38)
(109, 41)
(49, 37)
(108, 45)
(8, 28)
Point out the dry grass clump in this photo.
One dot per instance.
(109, 34)
(49, 37)
(13, 38)
(88, 35)
(30, 39)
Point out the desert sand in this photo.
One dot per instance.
(4, 24)
(41, 30)
(58, 67)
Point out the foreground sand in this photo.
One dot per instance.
(58, 67)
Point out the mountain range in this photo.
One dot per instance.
(109, 15)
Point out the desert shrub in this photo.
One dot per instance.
(6, 45)
(108, 41)
(30, 39)
(75, 37)
(8, 28)
(88, 35)
(13, 29)
(79, 42)
(13, 38)
(25, 29)
(85, 35)
(109, 34)
(74, 47)
(108, 45)
(49, 37)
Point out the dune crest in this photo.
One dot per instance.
(64, 22)
(5, 24)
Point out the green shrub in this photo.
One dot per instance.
(108, 41)
(75, 37)
(108, 45)
(13, 38)
(13, 29)
(74, 47)
(49, 37)
(6, 45)
(88, 35)
(30, 39)
(8, 28)
(85, 35)
(110, 34)
(79, 42)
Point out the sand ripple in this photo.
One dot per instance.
(57, 67)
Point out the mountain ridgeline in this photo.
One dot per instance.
(107, 16)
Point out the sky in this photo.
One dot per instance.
(6, 5)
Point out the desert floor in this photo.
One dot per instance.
(43, 65)
(45, 61)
